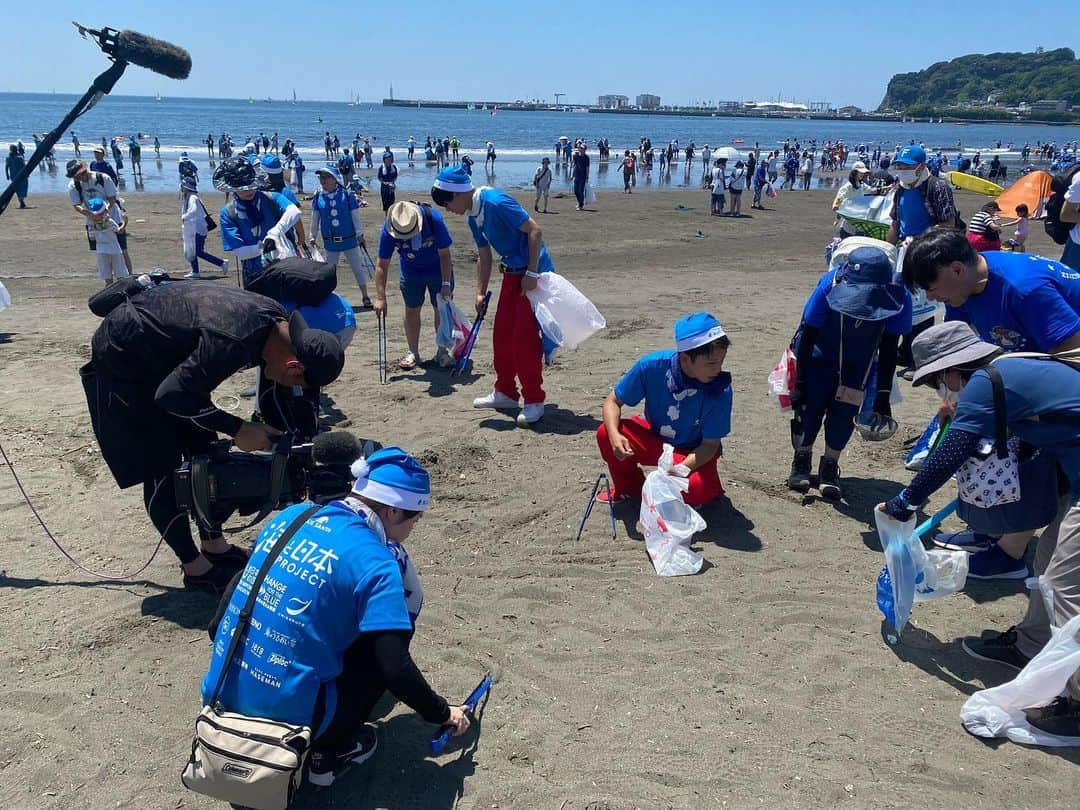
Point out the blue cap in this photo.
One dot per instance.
(453, 178)
(866, 287)
(330, 170)
(271, 164)
(96, 205)
(391, 476)
(911, 154)
(696, 330)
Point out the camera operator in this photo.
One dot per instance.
(335, 629)
(155, 360)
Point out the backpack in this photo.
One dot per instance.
(304, 282)
(343, 165)
(187, 168)
(1055, 228)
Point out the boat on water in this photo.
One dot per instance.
(738, 141)
(157, 97)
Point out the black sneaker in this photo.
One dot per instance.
(998, 647)
(325, 765)
(829, 479)
(214, 582)
(799, 480)
(235, 556)
(1060, 718)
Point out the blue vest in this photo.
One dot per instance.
(335, 220)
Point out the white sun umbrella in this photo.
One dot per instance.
(563, 138)
(728, 153)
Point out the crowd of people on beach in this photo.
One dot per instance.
(870, 321)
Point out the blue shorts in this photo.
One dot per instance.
(414, 286)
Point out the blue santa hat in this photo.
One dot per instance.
(272, 164)
(392, 477)
(696, 330)
(453, 178)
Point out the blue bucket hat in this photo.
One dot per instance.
(911, 155)
(97, 205)
(453, 178)
(188, 183)
(866, 286)
(271, 164)
(696, 330)
(391, 476)
(330, 170)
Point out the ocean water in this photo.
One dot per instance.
(520, 138)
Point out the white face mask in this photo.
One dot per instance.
(907, 177)
(947, 394)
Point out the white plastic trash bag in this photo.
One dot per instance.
(454, 327)
(569, 315)
(667, 522)
(782, 380)
(590, 195)
(911, 573)
(999, 711)
(5, 297)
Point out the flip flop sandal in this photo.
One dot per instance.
(408, 362)
(602, 497)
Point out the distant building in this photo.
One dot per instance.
(647, 101)
(849, 111)
(1049, 104)
(777, 106)
(613, 102)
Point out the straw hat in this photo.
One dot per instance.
(404, 220)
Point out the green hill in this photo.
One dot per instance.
(1011, 78)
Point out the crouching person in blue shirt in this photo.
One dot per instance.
(855, 310)
(1042, 407)
(688, 400)
(335, 617)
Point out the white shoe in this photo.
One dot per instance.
(192, 275)
(497, 400)
(532, 412)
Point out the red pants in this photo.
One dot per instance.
(627, 477)
(519, 353)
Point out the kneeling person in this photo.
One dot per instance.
(419, 235)
(688, 402)
(338, 634)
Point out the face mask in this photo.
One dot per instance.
(907, 177)
(947, 394)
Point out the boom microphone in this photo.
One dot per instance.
(335, 447)
(138, 49)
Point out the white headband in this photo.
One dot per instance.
(700, 339)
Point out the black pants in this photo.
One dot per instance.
(387, 195)
(143, 444)
(903, 355)
(359, 688)
(579, 190)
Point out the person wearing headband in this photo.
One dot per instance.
(335, 632)
(688, 400)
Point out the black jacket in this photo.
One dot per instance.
(183, 339)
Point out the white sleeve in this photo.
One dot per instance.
(248, 251)
(289, 217)
(1073, 194)
(192, 211)
(356, 222)
(314, 230)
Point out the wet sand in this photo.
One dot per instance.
(763, 681)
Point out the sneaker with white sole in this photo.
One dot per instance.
(993, 563)
(970, 542)
(532, 412)
(325, 765)
(497, 400)
(1000, 648)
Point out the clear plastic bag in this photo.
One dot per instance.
(782, 380)
(999, 711)
(5, 297)
(574, 314)
(913, 574)
(667, 522)
(590, 195)
(454, 327)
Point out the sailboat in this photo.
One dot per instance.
(158, 97)
(293, 96)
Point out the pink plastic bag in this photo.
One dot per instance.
(454, 327)
(782, 380)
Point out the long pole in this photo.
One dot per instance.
(102, 85)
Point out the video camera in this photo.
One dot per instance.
(214, 485)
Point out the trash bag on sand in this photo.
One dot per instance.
(667, 522)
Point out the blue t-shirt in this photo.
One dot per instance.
(336, 578)
(419, 255)
(861, 338)
(498, 224)
(1032, 387)
(1030, 303)
(912, 216)
(681, 414)
(333, 314)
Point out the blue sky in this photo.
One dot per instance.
(510, 50)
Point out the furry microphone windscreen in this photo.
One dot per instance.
(153, 54)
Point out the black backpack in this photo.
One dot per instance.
(1055, 228)
(304, 282)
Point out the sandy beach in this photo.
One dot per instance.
(762, 682)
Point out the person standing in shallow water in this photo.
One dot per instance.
(12, 166)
